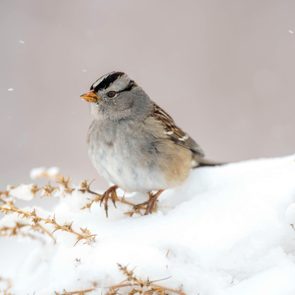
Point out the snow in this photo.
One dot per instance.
(23, 192)
(52, 172)
(42, 172)
(290, 214)
(37, 172)
(226, 231)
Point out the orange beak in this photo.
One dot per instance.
(90, 96)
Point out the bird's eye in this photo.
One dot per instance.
(111, 93)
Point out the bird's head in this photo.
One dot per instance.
(115, 96)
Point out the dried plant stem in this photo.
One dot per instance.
(77, 292)
(16, 230)
(65, 182)
(150, 289)
(110, 194)
(118, 199)
(47, 190)
(3, 196)
(64, 185)
(29, 219)
(83, 234)
(140, 286)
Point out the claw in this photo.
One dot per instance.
(151, 203)
(148, 206)
(109, 194)
(114, 198)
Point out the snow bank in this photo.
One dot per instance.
(226, 231)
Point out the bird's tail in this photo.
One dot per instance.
(207, 163)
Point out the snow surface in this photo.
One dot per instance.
(226, 231)
(42, 172)
(22, 192)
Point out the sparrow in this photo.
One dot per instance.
(133, 143)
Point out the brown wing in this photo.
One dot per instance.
(174, 132)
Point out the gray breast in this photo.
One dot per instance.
(126, 155)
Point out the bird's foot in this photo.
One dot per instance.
(109, 194)
(150, 205)
(152, 202)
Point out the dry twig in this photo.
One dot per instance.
(110, 194)
(48, 190)
(139, 286)
(76, 292)
(18, 230)
(82, 234)
(65, 182)
(132, 285)
(35, 189)
(3, 196)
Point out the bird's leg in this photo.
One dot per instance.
(110, 193)
(151, 203)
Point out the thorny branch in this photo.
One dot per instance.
(65, 182)
(132, 284)
(110, 194)
(77, 292)
(139, 286)
(82, 234)
(8, 206)
(3, 196)
(64, 185)
(17, 230)
(48, 189)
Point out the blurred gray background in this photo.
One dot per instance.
(224, 69)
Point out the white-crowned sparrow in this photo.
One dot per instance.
(134, 143)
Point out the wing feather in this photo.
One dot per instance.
(174, 132)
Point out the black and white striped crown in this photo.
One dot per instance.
(118, 80)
